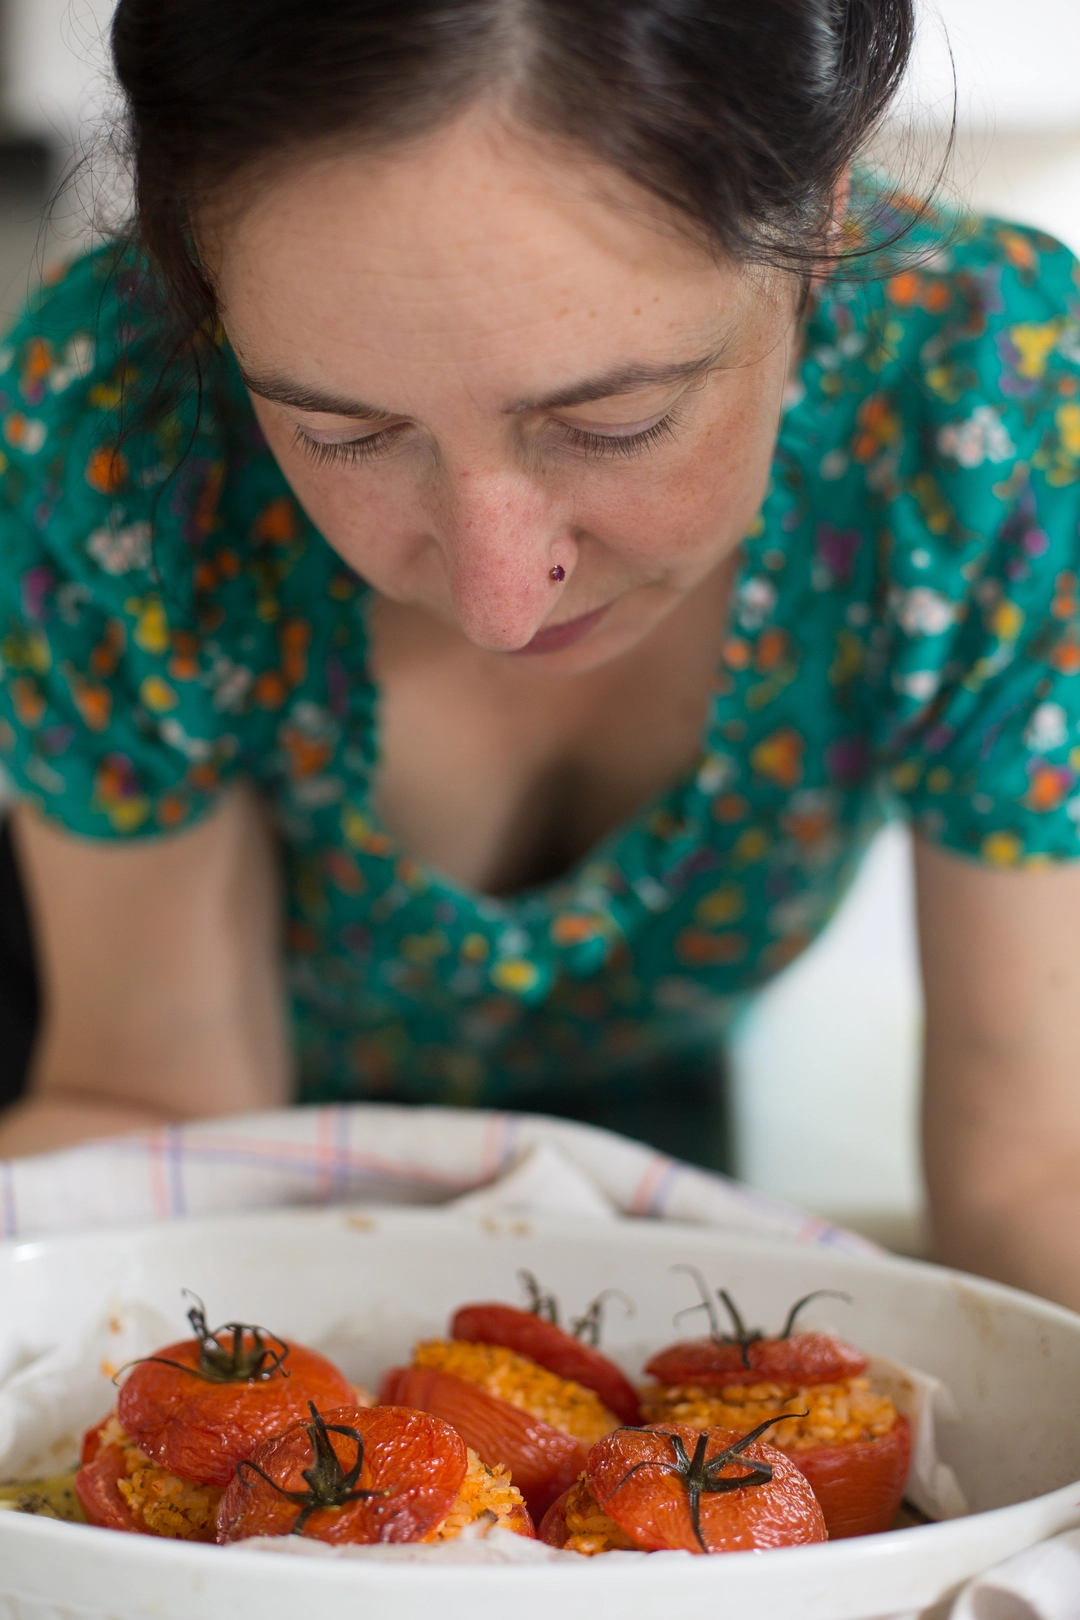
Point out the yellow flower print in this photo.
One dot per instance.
(1035, 342)
(1068, 424)
(1064, 461)
(359, 832)
(1007, 620)
(152, 627)
(157, 695)
(936, 511)
(1002, 849)
(723, 905)
(750, 846)
(422, 949)
(515, 975)
(779, 757)
(849, 658)
(26, 649)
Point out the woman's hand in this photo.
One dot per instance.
(160, 970)
(1001, 970)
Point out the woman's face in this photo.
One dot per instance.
(480, 361)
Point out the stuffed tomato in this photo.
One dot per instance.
(186, 1416)
(846, 1437)
(669, 1487)
(366, 1474)
(520, 1390)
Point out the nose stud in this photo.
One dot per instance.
(557, 573)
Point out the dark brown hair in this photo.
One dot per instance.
(742, 114)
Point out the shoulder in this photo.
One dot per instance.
(95, 423)
(952, 307)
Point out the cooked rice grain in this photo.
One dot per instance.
(837, 1413)
(167, 1505)
(483, 1491)
(564, 1404)
(589, 1530)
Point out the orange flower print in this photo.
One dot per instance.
(277, 523)
(574, 928)
(700, 949)
(779, 757)
(269, 690)
(1049, 787)
(27, 701)
(878, 428)
(294, 636)
(107, 470)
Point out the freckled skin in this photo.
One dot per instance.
(472, 271)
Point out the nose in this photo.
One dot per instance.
(501, 538)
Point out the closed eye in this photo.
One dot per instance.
(621, 444)
(371, 447)
(348, 452)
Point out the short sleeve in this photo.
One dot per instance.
(114, 717)
(981, 620)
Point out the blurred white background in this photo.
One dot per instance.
(826, 1066)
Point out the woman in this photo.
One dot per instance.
(582, 521)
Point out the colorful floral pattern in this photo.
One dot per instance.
(905, 632)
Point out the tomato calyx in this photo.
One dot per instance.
(329, 1485)
(244, 1358)
(743, 1336)
(701, 1478)
(587, 1327)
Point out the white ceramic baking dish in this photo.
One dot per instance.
(364, 1284)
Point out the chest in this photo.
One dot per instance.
(501, 777)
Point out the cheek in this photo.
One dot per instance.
(356, 514)
(693, 498)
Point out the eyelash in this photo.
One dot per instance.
(352, 452)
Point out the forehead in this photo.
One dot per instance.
(477, 250)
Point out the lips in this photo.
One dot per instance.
(558, 636)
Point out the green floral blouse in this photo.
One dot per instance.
(905, 633)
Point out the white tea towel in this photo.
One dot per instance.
(1042, 1583)
(376, 1153)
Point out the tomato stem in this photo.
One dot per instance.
(244, 1358)
(701, 1478)
(329, 1486)
(587, 1327)
(743, 1336)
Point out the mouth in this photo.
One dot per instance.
(558, 636)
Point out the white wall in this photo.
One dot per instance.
(1018, 61)
(55, 61)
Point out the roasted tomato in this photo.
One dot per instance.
(749, 1356)
(543, 1341)
(520, 1390)
(860, 1484)
(198, 1407)
(673, 1487)
(120, 1488)
(358, 1474)
(848, 1439)
(97, 1487)
(542, 1459)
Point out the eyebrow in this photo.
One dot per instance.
(628, 379)
(283, 392)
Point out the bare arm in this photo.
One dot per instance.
(161, 978)
(1001, 968)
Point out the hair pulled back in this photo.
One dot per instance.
(742, 114)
